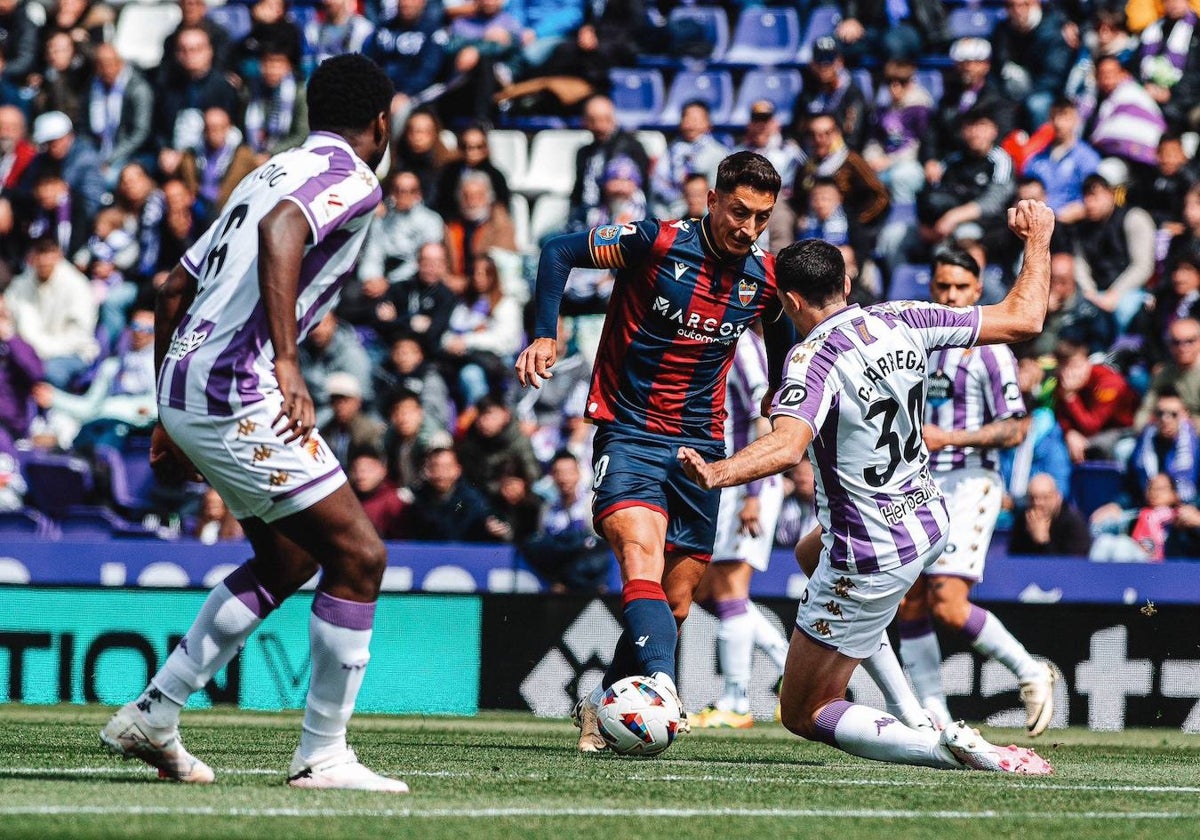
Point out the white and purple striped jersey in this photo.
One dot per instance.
(967, 389)
(858, 380)
(221, 357)
(745, 387)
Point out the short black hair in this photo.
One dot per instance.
(978, 113)
(957, 257)
(1094, 181)
(346, 93)
(563, 455)
(401, 395)
(1028, 180)
(1169, 391)
(696, 103)
(44, 245)
(748, 169)
(814, 269)
(825, 181)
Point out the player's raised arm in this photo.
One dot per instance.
(1020, 315)
(282, 236)
(772, 453)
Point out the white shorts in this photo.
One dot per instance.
(256, 473)
(730, 545)
(849, 612)
(973, 498)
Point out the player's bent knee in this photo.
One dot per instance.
(799, 721)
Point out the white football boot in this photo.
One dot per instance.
(341, 771)
(129, 735)
(975, 753)
(1038, 697)
(663, 681)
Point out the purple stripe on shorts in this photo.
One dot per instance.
(353, 615)
(302, 487)
(974, 624)
(915, 628)
(246, 587)
(827, 721)
(731, 608)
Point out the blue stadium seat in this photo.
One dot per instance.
(710, 21)
(713, 87)
(1096, 483)
(973, 22)
(131, 481)
(89, 522)
(934, 82)
(26, 522)
(909, 282)
(779, 86)
(637, 95)
(234, 18)
(56, 482)
(822, 22)
(765, 36)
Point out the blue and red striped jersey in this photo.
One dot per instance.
(672, 327)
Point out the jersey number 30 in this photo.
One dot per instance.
(888, 436)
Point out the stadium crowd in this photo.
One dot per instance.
(910, 132)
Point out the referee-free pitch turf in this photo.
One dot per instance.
(511, 775)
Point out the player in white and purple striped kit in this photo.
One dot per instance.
(854, 396)
(233, 406)
(973, 406)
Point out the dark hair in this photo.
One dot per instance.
(825, 181)
(563, 455)
(812, 268)
(489, 401)
(748, 169)
(696, 103)
(1062, 103)
(366, 450)
(957, 257)
(401, 395)
(346, 93)
(1167, 391)
(1095, 180)
(1170, 136)
(44, 245)
(978, 113)
(1026, 180)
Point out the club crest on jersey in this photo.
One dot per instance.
(746, 291)
(680, 270)
(608, 232)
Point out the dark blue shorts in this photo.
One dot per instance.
(635, 471)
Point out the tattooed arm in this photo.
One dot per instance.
(999, 434)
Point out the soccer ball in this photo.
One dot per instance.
(638, 717)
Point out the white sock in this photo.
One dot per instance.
(870, 733)
(990, 637)
(340, 636)
(885, 670)
(735, 645)
(922, 657)
(232, 611)
(767, 637)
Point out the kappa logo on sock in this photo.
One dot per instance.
(882, 722)
(641, 642)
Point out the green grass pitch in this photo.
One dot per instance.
(510, 775)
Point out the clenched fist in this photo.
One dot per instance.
(1031, 219)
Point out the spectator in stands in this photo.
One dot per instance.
(695, 151)
(53, 310)
(182, 98)
(1064, 164)
(827, 155)
(419, 149)
(349, 428)
(612, 35)
(891, 30)
(411, 48)
(410, 436)
(1069, 313)
(19, 34)
(764, 136)
(270, 27)
(1030, 58)
(384, 503)
(420, 307)
(123, 387)
(1180, 375)
(1180, 298)
(516, 509)
(609, 140)
(1163, 195)
(1047, 525)
(826, 217)
(88, 23)
(969, 87)
(483, 46)
(547, 24)
(896, 132)
(332, 346)
(473, 143)
(74, 157)
(338, 28)
(833, 92)
(1128, 123)
(1169, 444)
(798, 514)
(179, 231)
(1168, 63)
(695, 197)
(139, 197)
(551, 417)
(277, 112)
(445, 507)
(406, 369)
(493, 443)
(480, 225)
(65, 77)
(193, 13)
(566, 552)
(20, 370)
(1187, 239)
(119, 110)
(482, 337)
(1114, 251)
(110, 252)
(56, 212)
(1094, 404)
(215, 523)
(216, 165)
(16, 152)
(1043, 450)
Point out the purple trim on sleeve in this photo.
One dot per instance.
(827, 721)
(244, 585)
(916, 628)
(353, 615)
(188, 267)
(731, 608)
(975, 621)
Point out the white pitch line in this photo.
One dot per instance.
(495, 813)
